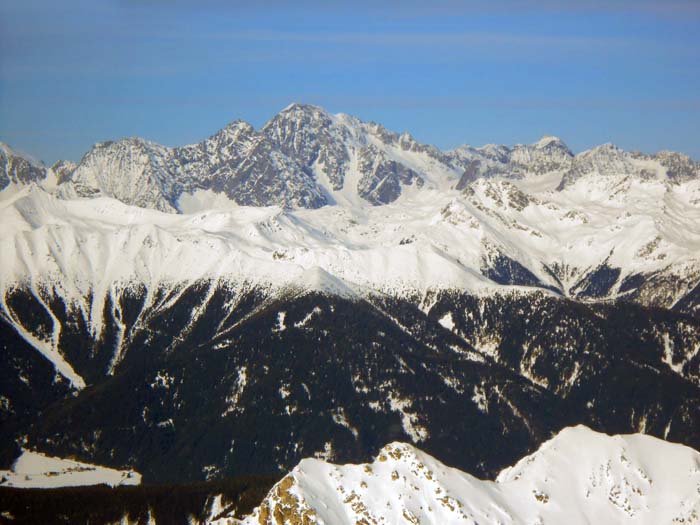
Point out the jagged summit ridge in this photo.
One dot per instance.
(547, 155)
(306, 157)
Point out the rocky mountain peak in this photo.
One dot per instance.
(302, 108)
(232, 141)
(607, 149)
(17, 168)
(544, 156)
(606, 160)
(236, 128)
(297, 116)
(313, 137)
(495, 152)
(618, 479)
(553, 146)
(679, 167)
(549, 141)
(132, 170)
(64, 170)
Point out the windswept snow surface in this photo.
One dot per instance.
(426, 240)
(578, 477)
(36, 470)
(371, 207)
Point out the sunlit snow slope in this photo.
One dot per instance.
(36, 470)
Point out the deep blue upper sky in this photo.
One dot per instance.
(174, 71)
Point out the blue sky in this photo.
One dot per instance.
(174, 71)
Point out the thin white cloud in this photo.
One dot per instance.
(419, 7)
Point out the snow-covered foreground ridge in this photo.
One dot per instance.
(578, 477)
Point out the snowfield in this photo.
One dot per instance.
(431, 239)
(36, 470)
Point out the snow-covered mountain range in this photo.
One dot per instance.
(578, 477)
(518, 289)
(366, 205)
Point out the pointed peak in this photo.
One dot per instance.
(11, 152)
(299, 107)
(605, 149)
(549, 140)
(62, 164)
(301, 113)
(237, 126)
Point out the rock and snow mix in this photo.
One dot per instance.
(579, 476)
(429, 239)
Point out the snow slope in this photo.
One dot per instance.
(432, 239)
(36, 470)
(578, 477)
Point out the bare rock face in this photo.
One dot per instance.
(313, 137)
(18, 169)
(679, 167)
(64, 170)
(382, 178)
(546, 155)
(237, 161)
(247, 167)
(332, 146)
(133, 170)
